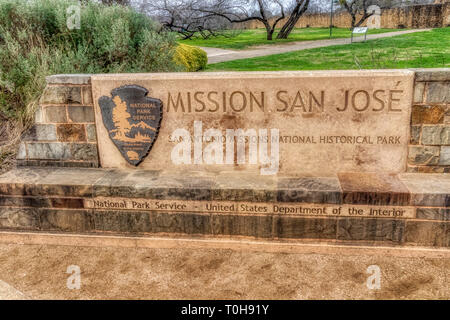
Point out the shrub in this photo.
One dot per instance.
(191, 58)
(35, 41)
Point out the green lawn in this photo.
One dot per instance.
(416, 50)
(248, 38)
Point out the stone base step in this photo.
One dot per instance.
(408, 209)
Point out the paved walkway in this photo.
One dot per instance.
(216, 55)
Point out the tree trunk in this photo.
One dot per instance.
(292, 21)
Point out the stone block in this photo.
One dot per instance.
(436, 135)
(52, 150)
(81, 114)
(423, 155)
(61, 95)
(427, 114)
(41, 132)
(373, 189)
(427, 189)
(242, 225)
(55, 114)
(438, 92)
(309, 189)
(91, 133)
(87, 95)
(416, 131)
(432, 74)
(433, 213)
(22, 151)
(83, 151)
(19, 218)
(69, 79)
(444, 159)
(427, 233)
(67, 220)
(389, 230)
(71, 133)
(122, 221)
(418, 92)
(304, 228)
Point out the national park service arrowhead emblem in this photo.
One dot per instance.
(132, 120)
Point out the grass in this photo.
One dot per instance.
(248, 38)
(428, 49)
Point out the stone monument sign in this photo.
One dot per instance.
(284, 123)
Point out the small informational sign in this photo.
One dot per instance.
(360, 30)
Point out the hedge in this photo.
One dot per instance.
(190, 57)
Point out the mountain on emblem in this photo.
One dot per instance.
(132, 120)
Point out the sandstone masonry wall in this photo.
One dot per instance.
(429, 149)
(417, 17)
(64, 131)
(65, 135)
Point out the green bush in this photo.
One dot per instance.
(191, 58)
(35, 41)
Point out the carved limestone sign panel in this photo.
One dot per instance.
(285, 123)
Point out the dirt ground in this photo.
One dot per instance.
(40, 272)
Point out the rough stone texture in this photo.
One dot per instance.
(53, 150)
(39, 115)
(428, 233)
(83, 151)
(91, 133)
(433, 213)
(253, 187)
(418, 92)
(432, 74)
(55, 114)
(438, 92)
(304, 228)
(436, 135)
(66, 220)
(374, 189)
(69, 79)
(81, 114)
(61, 95)
(19, 218)
(41, 132)
(423, 155)
(371, 229)
(313, 190)
(87, 95)
(71, 133)
(428, 189)
(252, 226)
(416, 130)
(22, 152)
(445, 156)
(427, 114)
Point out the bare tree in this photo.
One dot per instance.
(210, 17)
(355, 8)
(185, 18)
(268, 12)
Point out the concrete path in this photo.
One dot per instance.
(216, 55)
